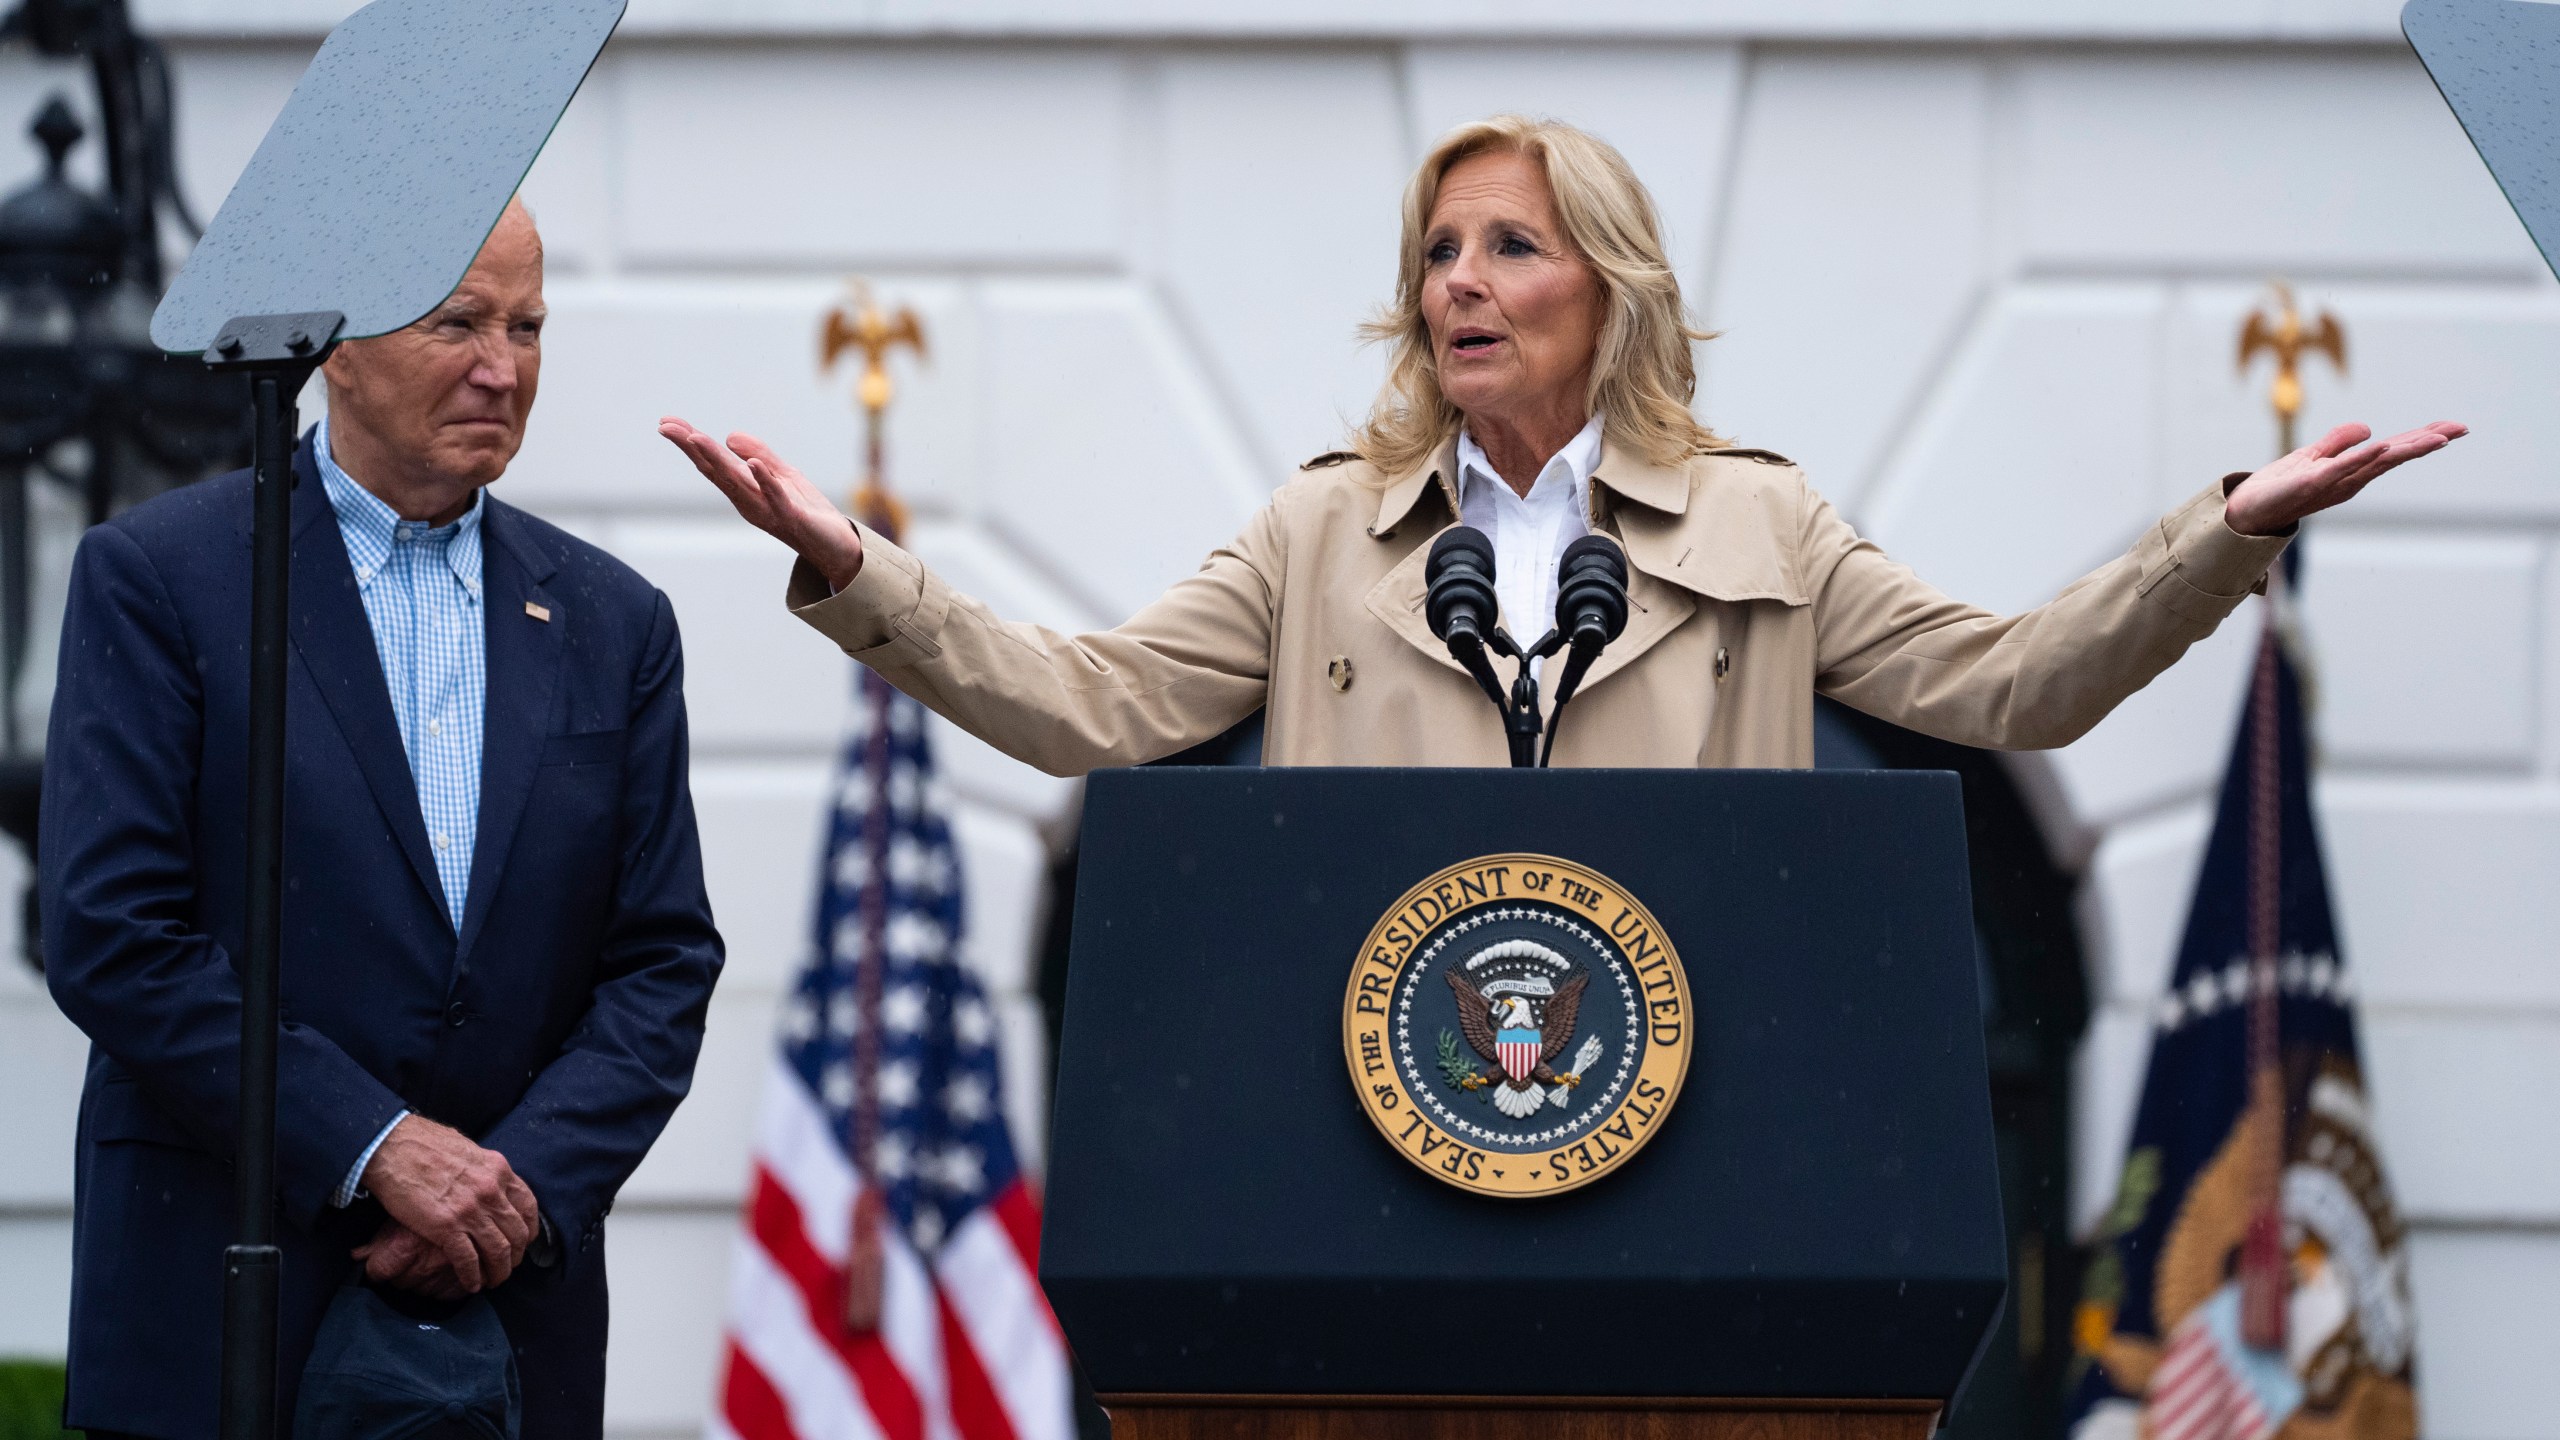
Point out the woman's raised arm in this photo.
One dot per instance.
(774, 497)
(2328, 471)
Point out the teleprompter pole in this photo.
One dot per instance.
(277, 353)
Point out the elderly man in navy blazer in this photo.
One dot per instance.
(497, 950)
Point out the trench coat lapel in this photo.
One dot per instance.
(1396, 600)
(524, 670)
(1695, 531)
(1702, 529)
(335, 643)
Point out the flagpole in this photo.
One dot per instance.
(862, 326)
(2265, 1271)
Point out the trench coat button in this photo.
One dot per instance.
(453, 1014)
(1724, 664)
(1339, 672)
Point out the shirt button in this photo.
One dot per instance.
(443, 840)
(435, 727)
(453, 1014)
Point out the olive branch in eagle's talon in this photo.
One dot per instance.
(1456, 1069)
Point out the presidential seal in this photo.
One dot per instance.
(1517, 1025)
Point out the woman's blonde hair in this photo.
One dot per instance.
(1642, 378)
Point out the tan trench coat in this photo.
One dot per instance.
(1747, 595)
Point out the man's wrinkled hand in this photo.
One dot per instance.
(398, 1258)
(460, 1199)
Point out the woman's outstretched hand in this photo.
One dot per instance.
(2326, 472)
(774, 497)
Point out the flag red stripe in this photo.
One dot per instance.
(779, 1231)
(1020, 1216)
(750, 1404)
(977, 1412)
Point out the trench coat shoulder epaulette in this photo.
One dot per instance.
(1749, 452)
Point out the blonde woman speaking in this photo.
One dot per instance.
(1539, 390)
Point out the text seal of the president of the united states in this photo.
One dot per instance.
(1517, 1025)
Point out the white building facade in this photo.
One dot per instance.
(1979, 265)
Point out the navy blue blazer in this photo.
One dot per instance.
(559, 1027)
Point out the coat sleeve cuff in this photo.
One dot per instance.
(2200, 567)
(892, 614)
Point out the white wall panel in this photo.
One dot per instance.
(2135, 898)
(35, 1284)
(2488, 1320)
(704, 1156)
(1005, 868)
(2444, 892)
(1850, 255)
(733, 355)
(826, 156)
(1106, 457)
(43, 1060)
(2425, 648)
(762, 822)
(2462, 1100)
(1274, 191)
(2032, 464)
(2106, 1088)
(1022, 1049)
(670, 1277)
(2225, 162)
(1668, 108)
(755, 678)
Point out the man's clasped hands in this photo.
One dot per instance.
(460, 1220)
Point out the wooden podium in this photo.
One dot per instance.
(1808, 1247)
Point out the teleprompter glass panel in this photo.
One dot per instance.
(2498, 64)
(374, 189)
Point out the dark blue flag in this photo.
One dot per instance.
(2235, 1130)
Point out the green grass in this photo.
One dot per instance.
(31, 1400)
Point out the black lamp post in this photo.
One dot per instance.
(87, 403)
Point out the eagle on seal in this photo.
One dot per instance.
(1520, 1044)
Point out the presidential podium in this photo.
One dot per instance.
(1362, 1127)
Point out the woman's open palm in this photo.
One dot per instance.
(2326, 472)
(774, 497)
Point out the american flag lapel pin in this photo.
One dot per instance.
(538, 612)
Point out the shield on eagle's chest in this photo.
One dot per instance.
(1518, 1051)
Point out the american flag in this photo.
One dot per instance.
(888, 1052)
(2211, 1386)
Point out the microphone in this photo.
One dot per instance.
(1591, 592)
(1459, 601)
(1591, 611)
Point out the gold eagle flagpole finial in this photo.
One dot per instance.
(860, 324)
(2287, 338)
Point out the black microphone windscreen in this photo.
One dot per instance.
(1595, 549)
(1458, 539)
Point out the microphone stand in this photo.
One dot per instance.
(1520, 723)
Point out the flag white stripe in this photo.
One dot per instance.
(911, 1329)
(771, 1324)
(1000, 1306)
(796, 1145)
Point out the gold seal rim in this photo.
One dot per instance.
(1672, 1057)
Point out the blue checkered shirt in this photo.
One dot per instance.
(421, 591)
